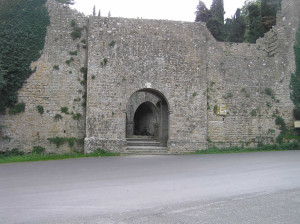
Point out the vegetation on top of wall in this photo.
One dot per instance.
(295, 79)
(67, 2)
(23, 26)
(249, 23)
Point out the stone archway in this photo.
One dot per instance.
(147, 114)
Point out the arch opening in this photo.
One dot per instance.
(147, 114)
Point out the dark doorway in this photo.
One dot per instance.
(146, 120)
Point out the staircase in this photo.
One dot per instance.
(144, 145)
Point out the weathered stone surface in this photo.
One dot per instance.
(177, 67)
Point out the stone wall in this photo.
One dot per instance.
(54, 85)
(177, 63)
(164, 56)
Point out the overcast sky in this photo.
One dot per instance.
(182, 10)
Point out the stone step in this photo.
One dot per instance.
(145, 150)
(143, 143)
(142, 139)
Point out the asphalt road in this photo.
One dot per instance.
(247, 188)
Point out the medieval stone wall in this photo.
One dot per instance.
(54, 85)
(179, 63)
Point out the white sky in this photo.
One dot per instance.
(182, 10)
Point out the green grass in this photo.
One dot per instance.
(44, 157)
(263, 148)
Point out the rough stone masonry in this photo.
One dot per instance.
(163, 79)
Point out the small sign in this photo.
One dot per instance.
(297, 124)
(222, 109)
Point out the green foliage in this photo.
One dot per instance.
(269, 104)
(67, 2)
(13, 152)
(277, 147)
(57, 117)
(40, 109)
(268, 13)
(76, 116)
(254, 113)
(215, 109)
(65, 110)
(38, 150)
(83, 70)
(56, 67)
(295, 79)
(195, 94)
(255, 28)
(281, 123)
(248, 24)
(23, 26)
(58, 141)
(17, 109)
(73, 53)
(270, 92)
(203, 14)
(68, 62)
(76, 32)
(93, 77)
(229, 95)
(104, 62)
(112, 43)
(235, 28)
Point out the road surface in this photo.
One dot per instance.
(260, 187)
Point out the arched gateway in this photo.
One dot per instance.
(147, 118)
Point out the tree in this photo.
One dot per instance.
(203, 14)
(67, 2)
(217, 10)
(109, 14)
(215, 24)
(94, 10)
(235, 28)
(99, 13)
(268, 13)
(255, 28)
(216, 28)
(295, 79)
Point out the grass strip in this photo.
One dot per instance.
(31, 157)
(262, 148)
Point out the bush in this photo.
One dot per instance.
(64, 110)
(40, 109)
(17, 109)
(57, 117)
(38, 150)
(13, 152)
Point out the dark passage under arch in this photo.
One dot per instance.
(146, 120)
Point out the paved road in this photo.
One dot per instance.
(226, 188)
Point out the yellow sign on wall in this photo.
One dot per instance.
(297, 124)
(222, 109)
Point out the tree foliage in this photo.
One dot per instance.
(248, 24)
(203, 14)
(295, 79)
(67, 2)
(23, 26)
(235, 28)
(214, 18)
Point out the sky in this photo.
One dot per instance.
(178, 10)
